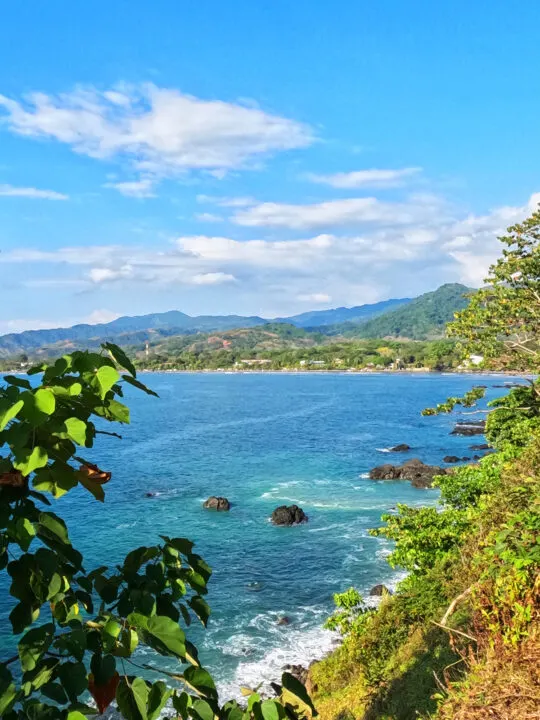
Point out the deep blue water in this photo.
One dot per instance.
(263, 440)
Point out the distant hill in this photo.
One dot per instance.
(128, 330)
(319, 318)
(124, 331)
(423, 318)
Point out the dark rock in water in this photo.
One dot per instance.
(379, 591)
(420, 474)
(283, 620)
(469, 428)
(451, 459)
(255, 586)
(465, 459)
(384, 472)
(402, 447)
(150, 494)
(217, 503)
(288, 515)
(482, 446)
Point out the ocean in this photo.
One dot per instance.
(264, 440)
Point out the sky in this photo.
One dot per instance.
(261, 157)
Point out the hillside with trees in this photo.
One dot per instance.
(424, 318)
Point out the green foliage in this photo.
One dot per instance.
(79, 631)
(422, 536)
(502, 320)
(515, 417)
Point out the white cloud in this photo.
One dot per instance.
(160, 130)
(98, 317)
(360, 265)
(315, 298)
(30, 192)
(226, 201)
(208, 217)
(336, 213)
(374, 178)
(137, 188)
(212, 278)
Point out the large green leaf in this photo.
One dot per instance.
(106, 376)
(118, 411)
(120, 357)
(158, 696)
(51, 524)
(8, 691)
(201, 608)
(169, 634)
(202, 710)
(74, 679)
(296, 694)
(202, 681)
(9, 413)
(45, 401)
(34, 644)
(139, 385)
(29, 460)
(270, 710)
(132, 699)
(22, 531)
(76, 430)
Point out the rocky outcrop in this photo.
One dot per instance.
(402, 447)
(288, 515)
(482, 446)
(379, 591)
(283, 620)
(469, 428)
(298, 671)
(451, 459)
(419, 474)
(217, 503)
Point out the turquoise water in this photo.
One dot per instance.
(263, 440)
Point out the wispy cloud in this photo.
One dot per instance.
(351, 267)
(143, 188)
(161, 131)
(373, 178)
(336, 213)
(31, 192)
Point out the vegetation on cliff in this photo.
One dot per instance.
(460, 638)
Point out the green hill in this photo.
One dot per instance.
(422, 319)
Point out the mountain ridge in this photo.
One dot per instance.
(394, 317)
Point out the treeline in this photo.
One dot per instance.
(356, 355)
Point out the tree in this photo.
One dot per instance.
(78, 629)
(502, 320)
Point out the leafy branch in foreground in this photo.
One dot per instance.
(79, 631)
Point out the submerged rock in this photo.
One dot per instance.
(379, 591)
(217, 503)
(283, 620)
(402, 447)
(482, 446)
(288, 515)
(419, 474)
(469, 428)
(451, 459)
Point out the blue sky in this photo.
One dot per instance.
(258, 157)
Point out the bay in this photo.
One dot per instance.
(263, 440)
